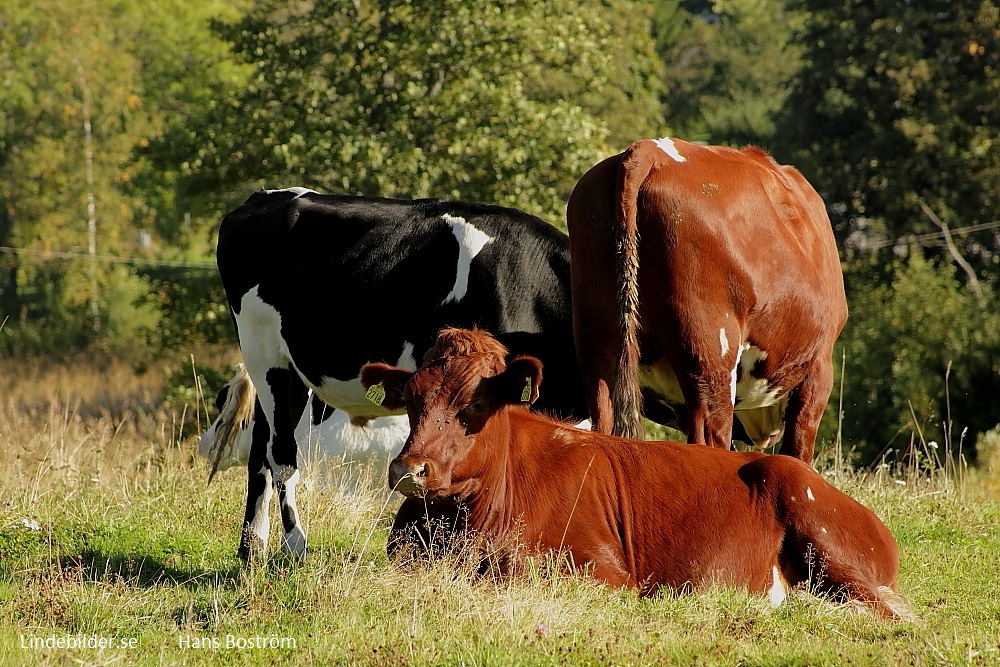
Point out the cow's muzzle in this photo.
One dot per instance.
(412, 477)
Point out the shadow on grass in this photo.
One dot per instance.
(150, 571)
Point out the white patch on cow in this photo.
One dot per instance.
(263, 348)
(732, 375)
(765, 424)
(564, 436)
(259, 525)
(777, 593)
(753, 392)
(470, 242)
(259, 326)
(299, 191)
(809, 494)
(337, 438)
(293, 541)
(667, 146)
(406, 358)
(723, 341)
(822, 530)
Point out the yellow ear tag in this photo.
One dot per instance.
(376, 393)
(526, 394)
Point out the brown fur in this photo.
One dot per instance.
(728, 240)
(640, 515)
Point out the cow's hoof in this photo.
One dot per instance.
(251, 549)
(293, 543)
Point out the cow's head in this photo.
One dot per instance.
(463, 383)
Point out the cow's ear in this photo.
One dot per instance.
(520, 381)
(384, 385)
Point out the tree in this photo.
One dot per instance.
(895, 120)
(70, 115)
(728, 66)
(86, 84)
(919, 351)
(417, 98)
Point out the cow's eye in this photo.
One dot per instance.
(471, 411)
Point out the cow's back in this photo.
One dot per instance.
(735, 228)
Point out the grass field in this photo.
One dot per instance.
(109, 534)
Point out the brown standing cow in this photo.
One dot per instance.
(709, 276)
(644, 515)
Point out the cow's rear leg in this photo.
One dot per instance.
(851, 585)
(598, 351)
(256, 526)
(290, 396)
(832, 542)
(708, 384)
(805, 410)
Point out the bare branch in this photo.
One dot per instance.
(953, 249)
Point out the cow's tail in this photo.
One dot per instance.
(626, 397)
(235, 417)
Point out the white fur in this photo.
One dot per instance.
(753, 392)
(299, 191)
(349, 395)
(667, 146)
(470, 243)
(778, 591)
(406, 358)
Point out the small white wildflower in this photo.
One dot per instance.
(901, 482)
(932, 444)
(30, 524)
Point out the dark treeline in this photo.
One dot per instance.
(128, 128)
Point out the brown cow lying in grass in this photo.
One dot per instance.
(641, 514)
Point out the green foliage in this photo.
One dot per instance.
(728, 64)
(922, 360)
(900, 105)
(416, 98)
(192, 305)
(69, 67)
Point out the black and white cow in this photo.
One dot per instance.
(320, 285)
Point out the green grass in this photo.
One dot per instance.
(132, 544)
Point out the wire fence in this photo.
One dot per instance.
(138, 261)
